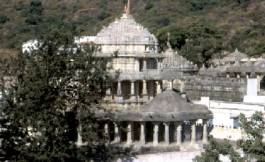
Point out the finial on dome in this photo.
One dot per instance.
(128, 7)
(125, 9)
(168, 41)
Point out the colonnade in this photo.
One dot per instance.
(138, 91)
(168, 127)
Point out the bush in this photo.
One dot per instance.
(3, 19)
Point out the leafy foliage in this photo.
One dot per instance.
(252, 146)
(198, 42)
(34, 12)
(3, 19)
(57, 88)
(235, 20)
(215, 148)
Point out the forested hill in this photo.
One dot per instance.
(199, 28)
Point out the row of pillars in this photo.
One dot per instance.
(177, 137)
(158, 67)
(133, 92)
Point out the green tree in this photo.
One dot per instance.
(253, 146)
(56, 88)
(178, 36)
(34, 12)
(3, 19)
(203, 41)
(197, 42)
(215, 148)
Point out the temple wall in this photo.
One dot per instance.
(225, 122)
(217, 88)
(126, 64)
(124, 48)
(166, 157)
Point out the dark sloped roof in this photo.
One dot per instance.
(168, 106)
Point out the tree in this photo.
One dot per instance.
(252, 146)
(34, 12)
(215, 148)
(3, 19)
(204, 40)
(197, 42)
(57, 87)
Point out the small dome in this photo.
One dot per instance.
(168, 106)
(125, 31)
(171, 102)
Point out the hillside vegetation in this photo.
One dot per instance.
(199, 29)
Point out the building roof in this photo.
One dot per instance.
(172, 60)
(168, 106)
(125, 31)
(236, 56)
(249, 67)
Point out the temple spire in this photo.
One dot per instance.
(125, 9)
(168, 41)
(128, 8)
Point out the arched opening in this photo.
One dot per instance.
(136, 131)
(152, 63)
(123, 131)
(126, 89)
(111, 131)
(149, 131)
(262, 86)
(161, 133)
(172, 132)
(186, 131)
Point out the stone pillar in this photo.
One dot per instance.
(108, 95)
(166, 133)
(117, 137)
(144, 91)
(142, 133)
(258, 79)
(106, 131)
(179, 134)
(79, 141)
(205, 132)
(119, 92)
(171, 84)
(155, 135)
(193, 132)
(132, 98)
(152, 90)
(158, 87)
(159, 64)
(129, 133)
(144, 64)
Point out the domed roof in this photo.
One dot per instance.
(235, 56)
(168, 106)
(125, 31)
(171, 102)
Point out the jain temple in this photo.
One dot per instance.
(162, 101)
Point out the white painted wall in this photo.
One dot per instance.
(252, 92)
(180, 156)
(224, 115)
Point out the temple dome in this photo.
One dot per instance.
(125, 31)
(167, 106)
(170, 102)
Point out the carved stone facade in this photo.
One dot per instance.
(141, 99)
